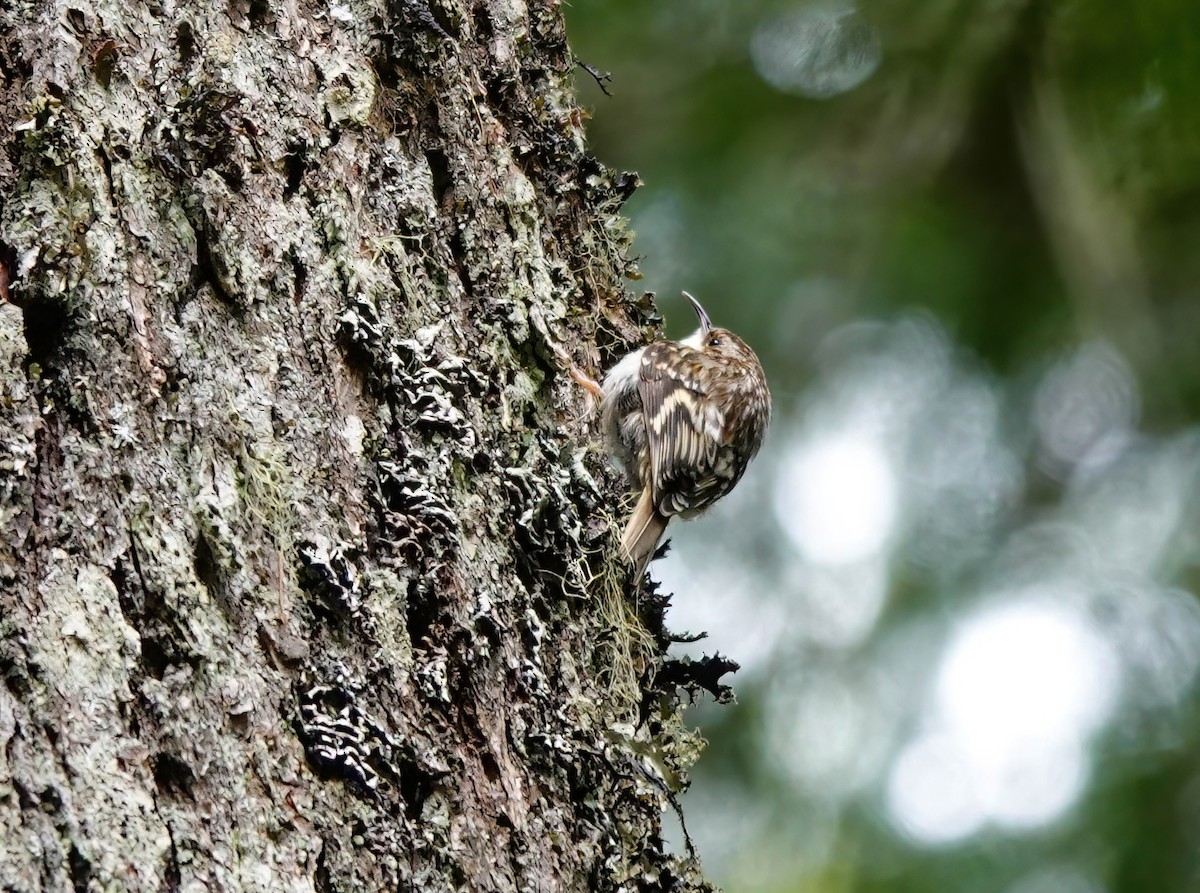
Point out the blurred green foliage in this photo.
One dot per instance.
(1000, 151)
(1024, 177)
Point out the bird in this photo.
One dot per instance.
(682, 419)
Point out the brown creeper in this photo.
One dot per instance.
(683, 419)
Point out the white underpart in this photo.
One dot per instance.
(693, 340)
(621, 432)
(626, 371)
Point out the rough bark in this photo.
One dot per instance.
(305, 549)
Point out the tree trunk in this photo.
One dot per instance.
(305, 545)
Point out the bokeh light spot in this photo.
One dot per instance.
(829, 735)
(817, 52)
(1056, 879)
(1085, 408)
(1021, 688)
(1025, 675)
(930, 793)
(837, 499)
(836, 606)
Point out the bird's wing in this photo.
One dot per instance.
(684, 430)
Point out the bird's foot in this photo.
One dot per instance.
(594, 391)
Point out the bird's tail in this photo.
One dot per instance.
(642, 533)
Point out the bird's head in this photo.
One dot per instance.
(715, 341)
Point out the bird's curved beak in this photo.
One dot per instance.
(705, 324)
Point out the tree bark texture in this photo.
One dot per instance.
(306, 567)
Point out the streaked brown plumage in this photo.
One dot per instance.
(683, 419)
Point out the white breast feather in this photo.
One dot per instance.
(625, 373)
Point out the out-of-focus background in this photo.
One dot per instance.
(964, 236)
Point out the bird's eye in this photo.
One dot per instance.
(714, 341)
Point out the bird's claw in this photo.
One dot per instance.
(581, 378)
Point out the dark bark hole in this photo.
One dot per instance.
(51, 800)
(205, 566)
(48, 324)
(77, 21)
(411, 232)
(171, 876)
(528, 565)
(173, 776)
(255, 13)
(260, 13)
(299, 277)
(185, 42)
(420, 614)
(499, 89)
(154, 657)
(104, 59)
(24, 795)
(484, 30)
(209, 572)
(458, 251)
(439, 169)
(415, 786)
(358, 357)
(8, 270)
(491, 769)
(16, 681)
(81, 869)
(322, 880)
(128, 596)
(233, 176)
(207, 272)
(106, 166)
(294, 167)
